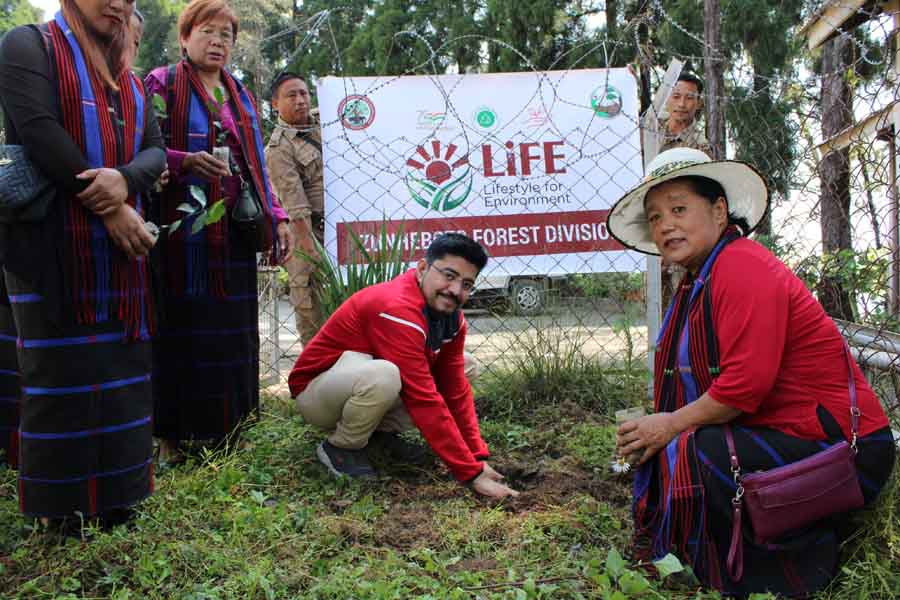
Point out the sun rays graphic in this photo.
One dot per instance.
(444, 187)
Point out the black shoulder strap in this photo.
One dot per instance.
(314, 143)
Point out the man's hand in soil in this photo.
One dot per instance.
(491, 473)
(488, 484)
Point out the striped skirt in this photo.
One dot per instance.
(206, 356)
(9, 385)
(693, 518)
(85, 431)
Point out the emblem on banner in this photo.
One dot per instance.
(356, 112)
(485, 118)
(431, 120)
(435, 180)
(606, 101)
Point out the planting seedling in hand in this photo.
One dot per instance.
(391, 359)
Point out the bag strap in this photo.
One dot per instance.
(854, 409)
(735, 561)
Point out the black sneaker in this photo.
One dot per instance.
(344, 462)
(399, 449)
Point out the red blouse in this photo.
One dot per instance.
(780, 353)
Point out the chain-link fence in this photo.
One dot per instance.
(818, 122)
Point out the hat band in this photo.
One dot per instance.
(669, 167)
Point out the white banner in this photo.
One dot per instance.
(528, 164)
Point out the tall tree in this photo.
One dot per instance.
(834, 173)
(159, 45)
(714, 69)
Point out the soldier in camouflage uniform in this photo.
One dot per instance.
(682, 129)
(294, 160)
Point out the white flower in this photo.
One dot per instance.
(620, 466)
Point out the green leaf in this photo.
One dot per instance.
(615, 564)
(199, 223)
(215, 212)
(159, 105)
(198, 194)
(633, 584)
(185, 208)
(173, 226)
(668, 565)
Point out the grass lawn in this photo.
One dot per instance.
(264, 520)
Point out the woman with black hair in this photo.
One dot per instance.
(742, 343)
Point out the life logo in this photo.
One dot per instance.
(606, 101)
(356, 112)
(435, 180)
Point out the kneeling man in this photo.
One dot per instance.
(390, 359)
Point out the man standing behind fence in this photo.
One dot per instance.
(681, 129)
(294, 160)
(391, 358)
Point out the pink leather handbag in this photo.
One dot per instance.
(793, 496)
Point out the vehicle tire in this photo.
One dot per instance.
(526, 296)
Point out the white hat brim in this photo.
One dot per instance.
(745, 190)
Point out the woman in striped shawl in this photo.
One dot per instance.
(206, 360)
(78, 280)
(743, 342)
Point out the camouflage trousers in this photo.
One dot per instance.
(303, 283)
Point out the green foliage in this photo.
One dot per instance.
(159, 44)
(550, 369)
(619, 286)
(17, 12)
(364, 267)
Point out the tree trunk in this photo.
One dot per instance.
(714, 69)
(761, 90)
(834, 173)
(612, 19)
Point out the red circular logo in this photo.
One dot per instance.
(356, 112)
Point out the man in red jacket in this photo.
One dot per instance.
(391, 358)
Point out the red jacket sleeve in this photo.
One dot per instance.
(750, 312)
(457, 392)
(400, 339)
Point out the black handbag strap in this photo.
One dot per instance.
(735, 561)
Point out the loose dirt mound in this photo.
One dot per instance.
(555, 483)
(405, 527)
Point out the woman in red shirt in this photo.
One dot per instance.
(743, 342)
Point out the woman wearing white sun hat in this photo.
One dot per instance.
(743, 342)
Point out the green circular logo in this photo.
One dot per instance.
(485, 117)
(606, 101)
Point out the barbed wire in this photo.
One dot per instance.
(602, 314)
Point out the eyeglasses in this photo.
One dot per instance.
(467, 285)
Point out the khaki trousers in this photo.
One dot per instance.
(358, 395)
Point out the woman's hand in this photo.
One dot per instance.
(285, 242)
(127, 230)
(205, 165)
(106, 193)
(647, 435)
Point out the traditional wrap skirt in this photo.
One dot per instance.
(694, 521)
(85, 431)
(206, 357)
(9, 385)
